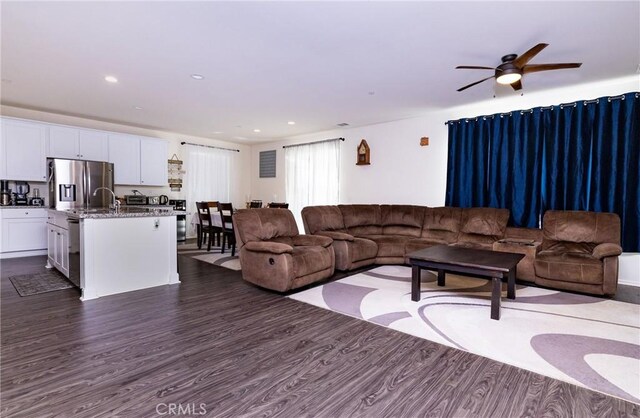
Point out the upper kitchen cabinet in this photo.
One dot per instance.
(153, 162)
(138, 161)
(74, 143)
(24, 146)
(124, 153)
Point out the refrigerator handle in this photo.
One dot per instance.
(87, 186)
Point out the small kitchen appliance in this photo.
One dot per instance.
(157, 200)
(135, 199)
(36, 200)
(5, 193)
(21, 195)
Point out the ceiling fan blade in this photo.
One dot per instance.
(473, 84)
(473, 67)
(547, 67)
(527, 56)
(517, 85)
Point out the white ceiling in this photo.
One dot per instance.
(315, 63)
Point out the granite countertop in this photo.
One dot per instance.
(125, 212)
(23, 207)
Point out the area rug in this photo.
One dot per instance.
(34, 284)
(214, 256)
(587, 341)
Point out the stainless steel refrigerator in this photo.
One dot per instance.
(72, 183)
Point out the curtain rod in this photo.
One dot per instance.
(561, 105)
(315, 142)
(209, 146)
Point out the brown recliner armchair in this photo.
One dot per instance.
(275, 256)
(579, 251)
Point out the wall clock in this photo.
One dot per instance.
(364, 156)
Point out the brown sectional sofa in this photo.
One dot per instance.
(574, 251)
(385, 234)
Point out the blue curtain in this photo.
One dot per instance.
(582, 156)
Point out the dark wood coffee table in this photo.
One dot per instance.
(494, 265)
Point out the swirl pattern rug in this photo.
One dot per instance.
(214, 256)
(588, 341)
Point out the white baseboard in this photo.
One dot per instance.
(16, 254)
(629, 269)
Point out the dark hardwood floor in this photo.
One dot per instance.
(217, 344)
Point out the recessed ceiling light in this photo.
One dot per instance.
(256, 130)
(197, 77)
(218, 133)
(239, 137)
(110, 79)
(137, 107)
(291, 122)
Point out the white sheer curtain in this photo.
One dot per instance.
(312, 174)
(207, 177)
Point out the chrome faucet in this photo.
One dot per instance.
(116, 203)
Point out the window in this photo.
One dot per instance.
(312, 175)
(207, 178)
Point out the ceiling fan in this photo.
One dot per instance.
(513, 67)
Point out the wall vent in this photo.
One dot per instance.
(267, 164)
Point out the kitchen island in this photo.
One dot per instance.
(105, 252)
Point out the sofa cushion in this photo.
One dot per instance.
(401, 220)
(441, 224)
(389, 245)
(360, 220)
(569, 267)
(322, 218)
(308, 260)
(485, 221)
(264, 224)
(581, 226)
(363, 249)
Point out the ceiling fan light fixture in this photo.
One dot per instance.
(508, 77)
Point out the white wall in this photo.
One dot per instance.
(240, 181)
(402, 171)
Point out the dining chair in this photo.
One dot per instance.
(228, 234)
(255, 204)
(205, 228)
(214, 209)
(278, 205)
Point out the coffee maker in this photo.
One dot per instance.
(5, 193)
(21, 196)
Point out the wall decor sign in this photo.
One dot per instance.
(175, 173)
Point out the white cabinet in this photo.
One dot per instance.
(23, 230)
(138, 161)
(57, 250)
(93, 145)
(74, 143)
(124, 153)
(23, 147)
(153, 162)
